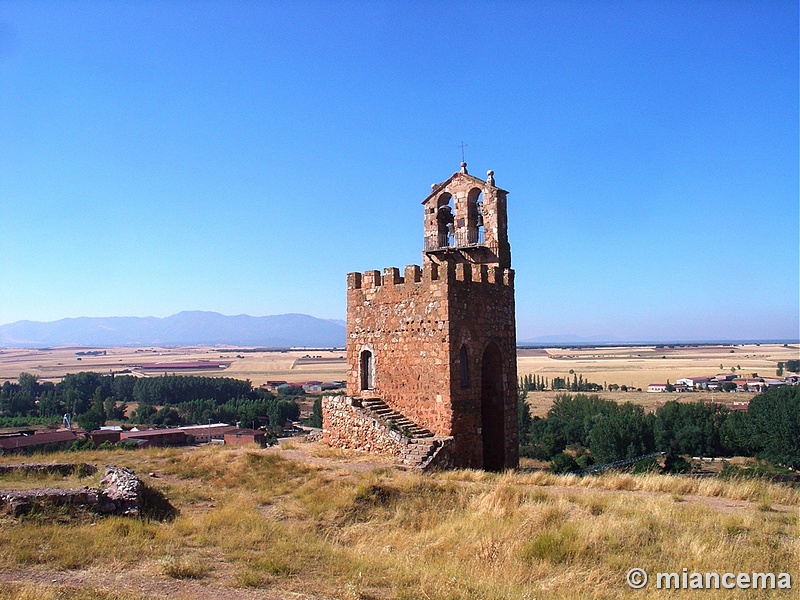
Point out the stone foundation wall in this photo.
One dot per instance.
(121, 496)
(345, 424)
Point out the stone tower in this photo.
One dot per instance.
(432, 373)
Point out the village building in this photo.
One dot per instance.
(431, 351)
(749, 385)
(38, 440)
(205, 434)
(239, 437)
(156, 437)
(696, 383)
(657, 387)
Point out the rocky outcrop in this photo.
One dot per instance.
(123, 490)
(122, 495)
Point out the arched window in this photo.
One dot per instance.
(464, 364)
(367, 368)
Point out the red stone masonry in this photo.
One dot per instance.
(438, 342)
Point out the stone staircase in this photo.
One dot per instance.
(381, 410)
(422, 444)
(420, 452)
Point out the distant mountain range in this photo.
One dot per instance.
(189, 328)
(202, 328)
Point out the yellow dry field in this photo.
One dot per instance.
(634, 367)
(258, 367)
(639, 366)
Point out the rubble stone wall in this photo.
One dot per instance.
(346, 425)
(121, 496)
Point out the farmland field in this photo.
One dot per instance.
(52, 364)
(634, 367)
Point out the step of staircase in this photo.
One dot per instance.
(384, 412)
(419, 451)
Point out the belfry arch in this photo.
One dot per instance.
(474, 221)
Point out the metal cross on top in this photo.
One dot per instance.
(463, 145)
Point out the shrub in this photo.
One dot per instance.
(564, 463)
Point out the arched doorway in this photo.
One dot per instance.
(492, 410)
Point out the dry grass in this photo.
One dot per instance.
(253, 519)
(32, 591)
(26, 481)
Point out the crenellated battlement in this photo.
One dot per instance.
(464, 272)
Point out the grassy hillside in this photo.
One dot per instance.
(314, 522)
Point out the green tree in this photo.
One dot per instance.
(95, 417)
(168, 416)
(122, 388)
(690, 428)
(523, 417)
(564, 463)
(736, 434)
(623, 433)
(50, 405)
(144, 413)
(315, 419)
(29, 384)
(21, 404)
(774, 425)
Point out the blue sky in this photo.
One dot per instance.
(242, 157)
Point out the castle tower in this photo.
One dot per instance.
(432, 351)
